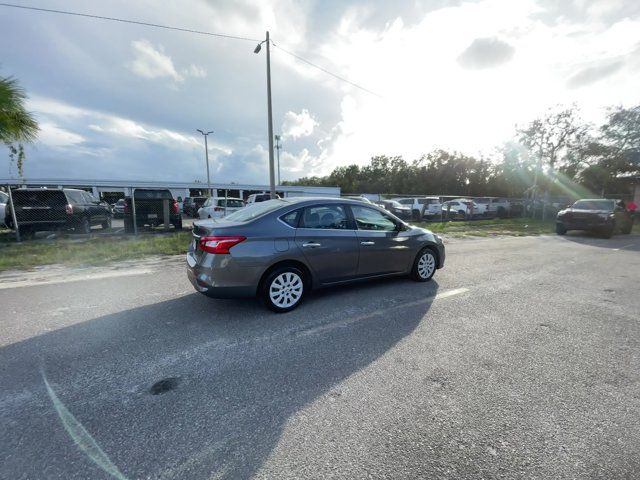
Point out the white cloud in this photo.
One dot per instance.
(297, 125)
(194, 71)
(152, 62)
(54, 136)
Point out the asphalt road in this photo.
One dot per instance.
(519, 361)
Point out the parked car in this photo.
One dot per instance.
(495, 206)
(149, 209)
(259, 197)
(359, 198)
(4, 199)
(396, 208)
(118, 209)
(216, 207)
(282, 248)
(421, 207)
(595, 215)
(464, 208)
(41, 209)
(191, 205)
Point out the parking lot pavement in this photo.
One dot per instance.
(518, 361)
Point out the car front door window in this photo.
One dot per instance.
(371, 219)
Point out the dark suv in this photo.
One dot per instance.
(596, 215)
(150, 208)
(39, 209)
(192, 204)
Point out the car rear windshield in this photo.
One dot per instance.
(45, 198)
(231, 202)
(255, 210)
(593, 205)
(153, 194)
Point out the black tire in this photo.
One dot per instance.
(296, 288)
(26, 233)
(178, 225)
(627, 230)
(84, 227)
(560, 229)
(424, 272)
(106, 225)
(502, 212)
(608, 233)
(128, 225)
(416, 215)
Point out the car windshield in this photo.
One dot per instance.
(593, 205)
(255, 210)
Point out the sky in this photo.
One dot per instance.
(123, 102)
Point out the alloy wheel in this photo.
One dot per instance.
(286, 290)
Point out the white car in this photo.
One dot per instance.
(500, 207)
(463, 207)
(4, 199)
(421, 206)
(259, 197)
(218, 207)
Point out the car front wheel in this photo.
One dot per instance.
(424, 266)
(560, 229)
(283, 289)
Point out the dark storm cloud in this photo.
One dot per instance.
(486, 53)
(590, 75)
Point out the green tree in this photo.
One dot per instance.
(17, 125)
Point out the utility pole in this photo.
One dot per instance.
(272, 176)
(278, 147)
(206, 155)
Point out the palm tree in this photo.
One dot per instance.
(17, 125)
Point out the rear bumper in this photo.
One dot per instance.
(226, 281)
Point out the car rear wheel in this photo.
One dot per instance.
(560, 229)
(608, 233)
(178, 225)
(424, 266)
(283, 289)
(627, 230)
(106, 225)
(85, 226)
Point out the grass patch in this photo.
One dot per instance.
(94, 251)
(517, 227)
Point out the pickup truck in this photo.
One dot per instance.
(68, 209)
(495, 206)
(149, 209)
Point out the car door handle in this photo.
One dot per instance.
(367, 243)
(311, 245)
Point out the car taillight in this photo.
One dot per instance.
(125, 208)
(219, 245)
(69, 209)
(176, 207)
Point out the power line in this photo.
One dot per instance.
(188, 30)
(325, 70)
(134, 22)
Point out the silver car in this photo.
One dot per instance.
(280, 249)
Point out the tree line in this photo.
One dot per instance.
(558, 154)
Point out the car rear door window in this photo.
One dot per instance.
(371, 219)
(75, 197)
(325, 216)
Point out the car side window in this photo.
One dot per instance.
(324, 216)
(75, 197)
(406, 201)
(371, 219)
(291, 218)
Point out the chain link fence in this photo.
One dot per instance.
(36, 213)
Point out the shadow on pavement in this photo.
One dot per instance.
(627, 242)
(237, 374)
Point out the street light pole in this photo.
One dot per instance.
(278, 150)
(206, 155)
(272, 179)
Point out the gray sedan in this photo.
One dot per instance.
(280, 249)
